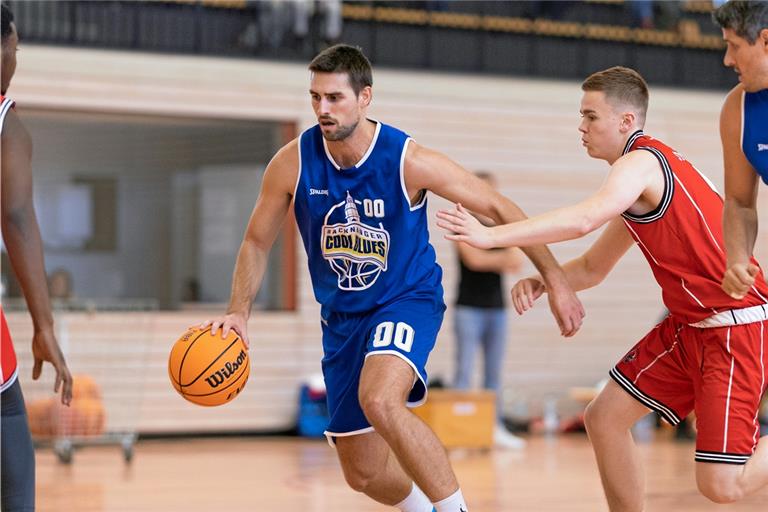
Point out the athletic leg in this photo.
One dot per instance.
(609, 419)
(385, 383)
(732, 460)
(653, 375)
(370, 467)
(727, 483)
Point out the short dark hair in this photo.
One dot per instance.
(343, 58)
(622, 84)
(6, 18)
(746, 18)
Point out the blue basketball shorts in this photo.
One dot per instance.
(406, 328)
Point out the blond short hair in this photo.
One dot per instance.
(622, 86)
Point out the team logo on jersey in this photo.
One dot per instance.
(631, 356)
(357, 252)
(762, 147)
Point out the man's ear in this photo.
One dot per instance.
(628, 121)
(366, 96)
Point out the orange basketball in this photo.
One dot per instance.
(209, 370)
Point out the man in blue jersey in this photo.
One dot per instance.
(744, 135)
(358, 189)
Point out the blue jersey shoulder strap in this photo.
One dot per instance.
(754, 135)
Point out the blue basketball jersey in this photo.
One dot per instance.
(366, 245)
(754, 135)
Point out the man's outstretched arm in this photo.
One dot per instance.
(25, 250)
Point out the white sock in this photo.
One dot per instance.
(453, 503)
(417, 501)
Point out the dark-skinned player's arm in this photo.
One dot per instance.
(425, 169)
(740, 211)
(263, 227)
(25, 250)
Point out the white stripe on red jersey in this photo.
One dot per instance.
(8, 366)
(682, 239)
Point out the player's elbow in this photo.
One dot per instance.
(592, 275)
(583, 225)
(16, 217)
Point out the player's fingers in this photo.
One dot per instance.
(735, 291)
(517, 301)
(566, 327)
(741, 276)
(37, 368)
(560, 323)
(526, 295)
(456, 238)
(202, 325)
(449, 226)
(753, 269)
(449, 216)
(215, 327)
(729, 284)
(571, 327)
(241, 331)
(57, 381)
(738, 282)
(66, 393)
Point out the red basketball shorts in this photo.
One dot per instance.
(718, 372)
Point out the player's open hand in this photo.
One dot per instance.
(45, 348)
(463, 227)
(738, 279)
(566, 307)
(525, 292)
(229, 322)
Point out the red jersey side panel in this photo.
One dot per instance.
(682, 239)
(8, 366)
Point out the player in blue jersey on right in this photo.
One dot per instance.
(744, 134)
(358, 188)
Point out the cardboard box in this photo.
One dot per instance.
(461, 419)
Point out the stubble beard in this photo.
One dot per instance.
(342, 132)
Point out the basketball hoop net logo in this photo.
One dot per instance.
(356, 252)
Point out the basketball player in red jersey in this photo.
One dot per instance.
(22, 241)
(709, 354)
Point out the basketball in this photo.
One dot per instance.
(208, 369)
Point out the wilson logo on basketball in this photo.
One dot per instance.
(226, 371)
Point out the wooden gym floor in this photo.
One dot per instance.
(290, 475)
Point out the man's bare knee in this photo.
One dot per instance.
(596, 417)
(719, 489)
(360, 477)
(380, 409)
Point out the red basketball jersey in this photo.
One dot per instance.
(682, 239)
(8, 367)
